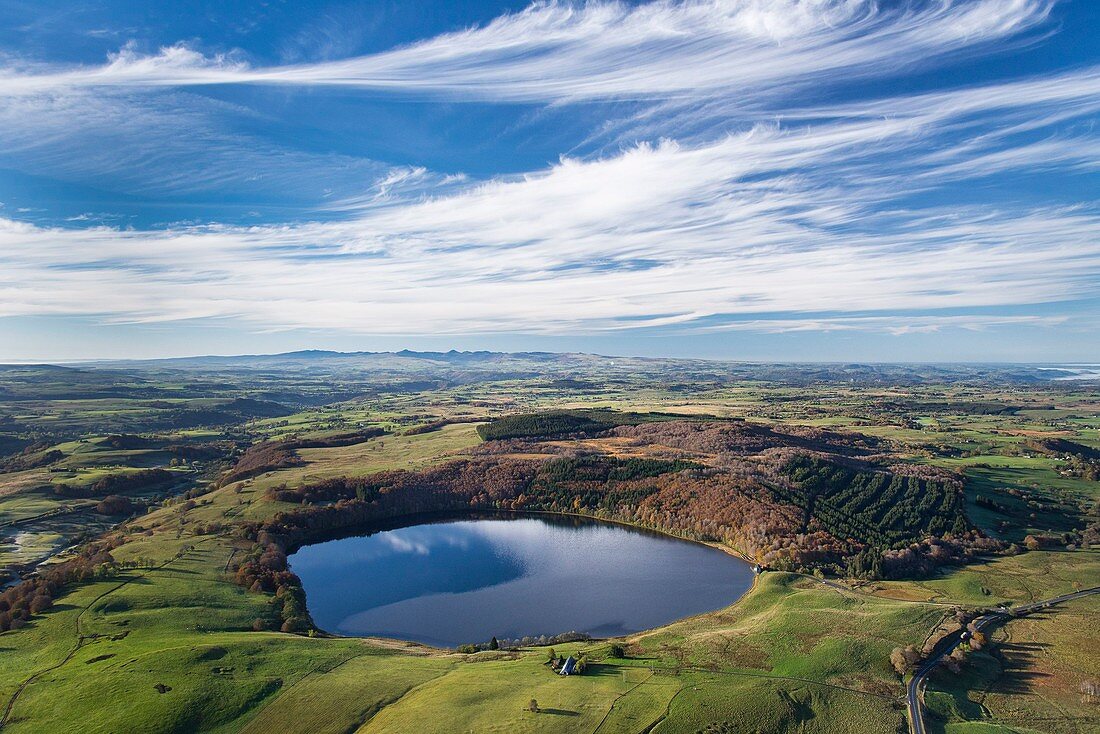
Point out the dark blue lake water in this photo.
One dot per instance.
(452, 582)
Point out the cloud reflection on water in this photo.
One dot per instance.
(465, 581)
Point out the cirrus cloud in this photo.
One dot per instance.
(727, 197)
(562, 52)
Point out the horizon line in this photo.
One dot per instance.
(31, 362)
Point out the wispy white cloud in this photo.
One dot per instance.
(560, 52)
(802, 209)
(170, 144)
(898, 324)
(703, 66)
(657, 235)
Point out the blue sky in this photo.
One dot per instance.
(748, 179)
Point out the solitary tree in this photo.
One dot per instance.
(905, 659)
(953, 662)
(493, 644)
(533, 706)
(897, 659)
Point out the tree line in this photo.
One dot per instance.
(35, 595)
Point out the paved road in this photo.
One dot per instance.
(915, 693)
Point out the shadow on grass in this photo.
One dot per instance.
(1020, 661)
(600, 669)
(62, 607)
(177, 571)
(558, 712)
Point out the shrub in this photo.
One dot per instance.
(114, 504)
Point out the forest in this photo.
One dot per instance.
(882, 509)
(551, 424)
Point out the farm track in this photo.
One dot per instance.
(618, 698)
(80, 638)
(769, 676)
(844, 588)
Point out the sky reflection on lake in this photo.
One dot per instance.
(448, 583)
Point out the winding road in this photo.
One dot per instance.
(915, 691)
